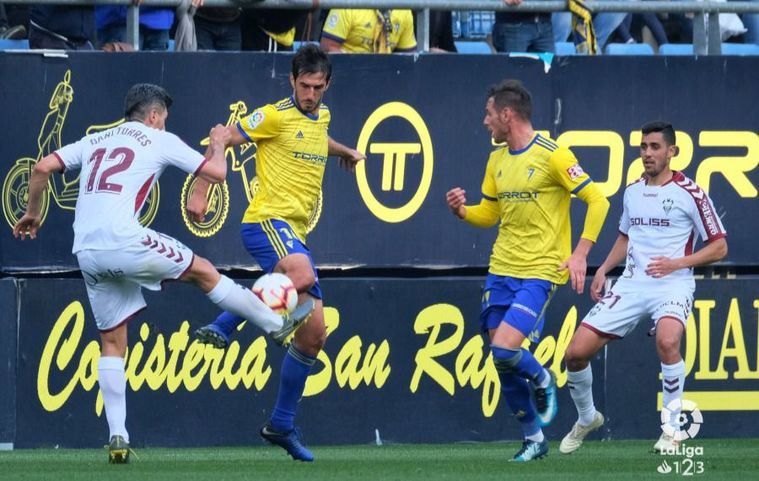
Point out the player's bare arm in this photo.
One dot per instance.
(30, 222)
(616, 256)
(348, 158)
(216, 166)
(714, 251)
(577, 264)
(330, 46)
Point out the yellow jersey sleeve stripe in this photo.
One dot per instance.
(546, 145)
(581, 186)
(243, 133)
(274, 239)
(548, 141)
(493, 199)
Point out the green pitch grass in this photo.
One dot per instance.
(617, 460)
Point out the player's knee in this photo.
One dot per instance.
(575, 359)
(668, 346)
(112, 345)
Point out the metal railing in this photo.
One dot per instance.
(706, 31)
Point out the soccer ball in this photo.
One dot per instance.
(276, 291)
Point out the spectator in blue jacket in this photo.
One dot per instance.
(155, 23)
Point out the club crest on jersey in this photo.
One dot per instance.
(575, 171)
(332, 22)
(667, 205)
(255, 119)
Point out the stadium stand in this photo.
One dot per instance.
(629, 49)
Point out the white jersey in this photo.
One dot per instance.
(664, 220)
(118, 168)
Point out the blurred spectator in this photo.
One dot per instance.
(155, 23)
(368, 31)
(218, 28)
(62, 27)
(522, 31)
(635, 22)
(15, 32)
(441, 32)
(270, 30)
(605, 24)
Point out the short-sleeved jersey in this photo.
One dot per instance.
(363, 31)
(291, 156)
(533, 188)
(664, 220)
(118, 168)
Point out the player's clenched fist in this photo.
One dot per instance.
(456, 198)
(219, 133)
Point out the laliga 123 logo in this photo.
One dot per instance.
(688, 419)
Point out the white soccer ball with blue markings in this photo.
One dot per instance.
(276, 291)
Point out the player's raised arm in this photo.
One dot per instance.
(215, 167)
(30, 222)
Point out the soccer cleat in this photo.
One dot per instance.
(211, 334)
(546, 404)
(118, 450)
(666, 443)
(573, 440)
(290, 442)
(293, 321)
(531, 451)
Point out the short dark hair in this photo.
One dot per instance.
(141, 98)
(311, 59)
(511, 93)
(667, 131)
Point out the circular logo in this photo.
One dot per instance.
(681, 419)
(406, 112)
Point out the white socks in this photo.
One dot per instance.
(112, 382)
(581, 388)
(241, 301)
(673, 384)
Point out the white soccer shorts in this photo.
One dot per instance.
(625, 305)
(114, 278)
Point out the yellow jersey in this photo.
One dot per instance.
(532, 188)
(363, 31)
(290, 160)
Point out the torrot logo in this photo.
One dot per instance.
(394, 160)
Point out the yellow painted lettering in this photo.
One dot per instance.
(430, 321)
(734, 169)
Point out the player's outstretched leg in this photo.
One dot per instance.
(217, 333)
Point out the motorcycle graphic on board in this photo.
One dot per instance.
(62, 189)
